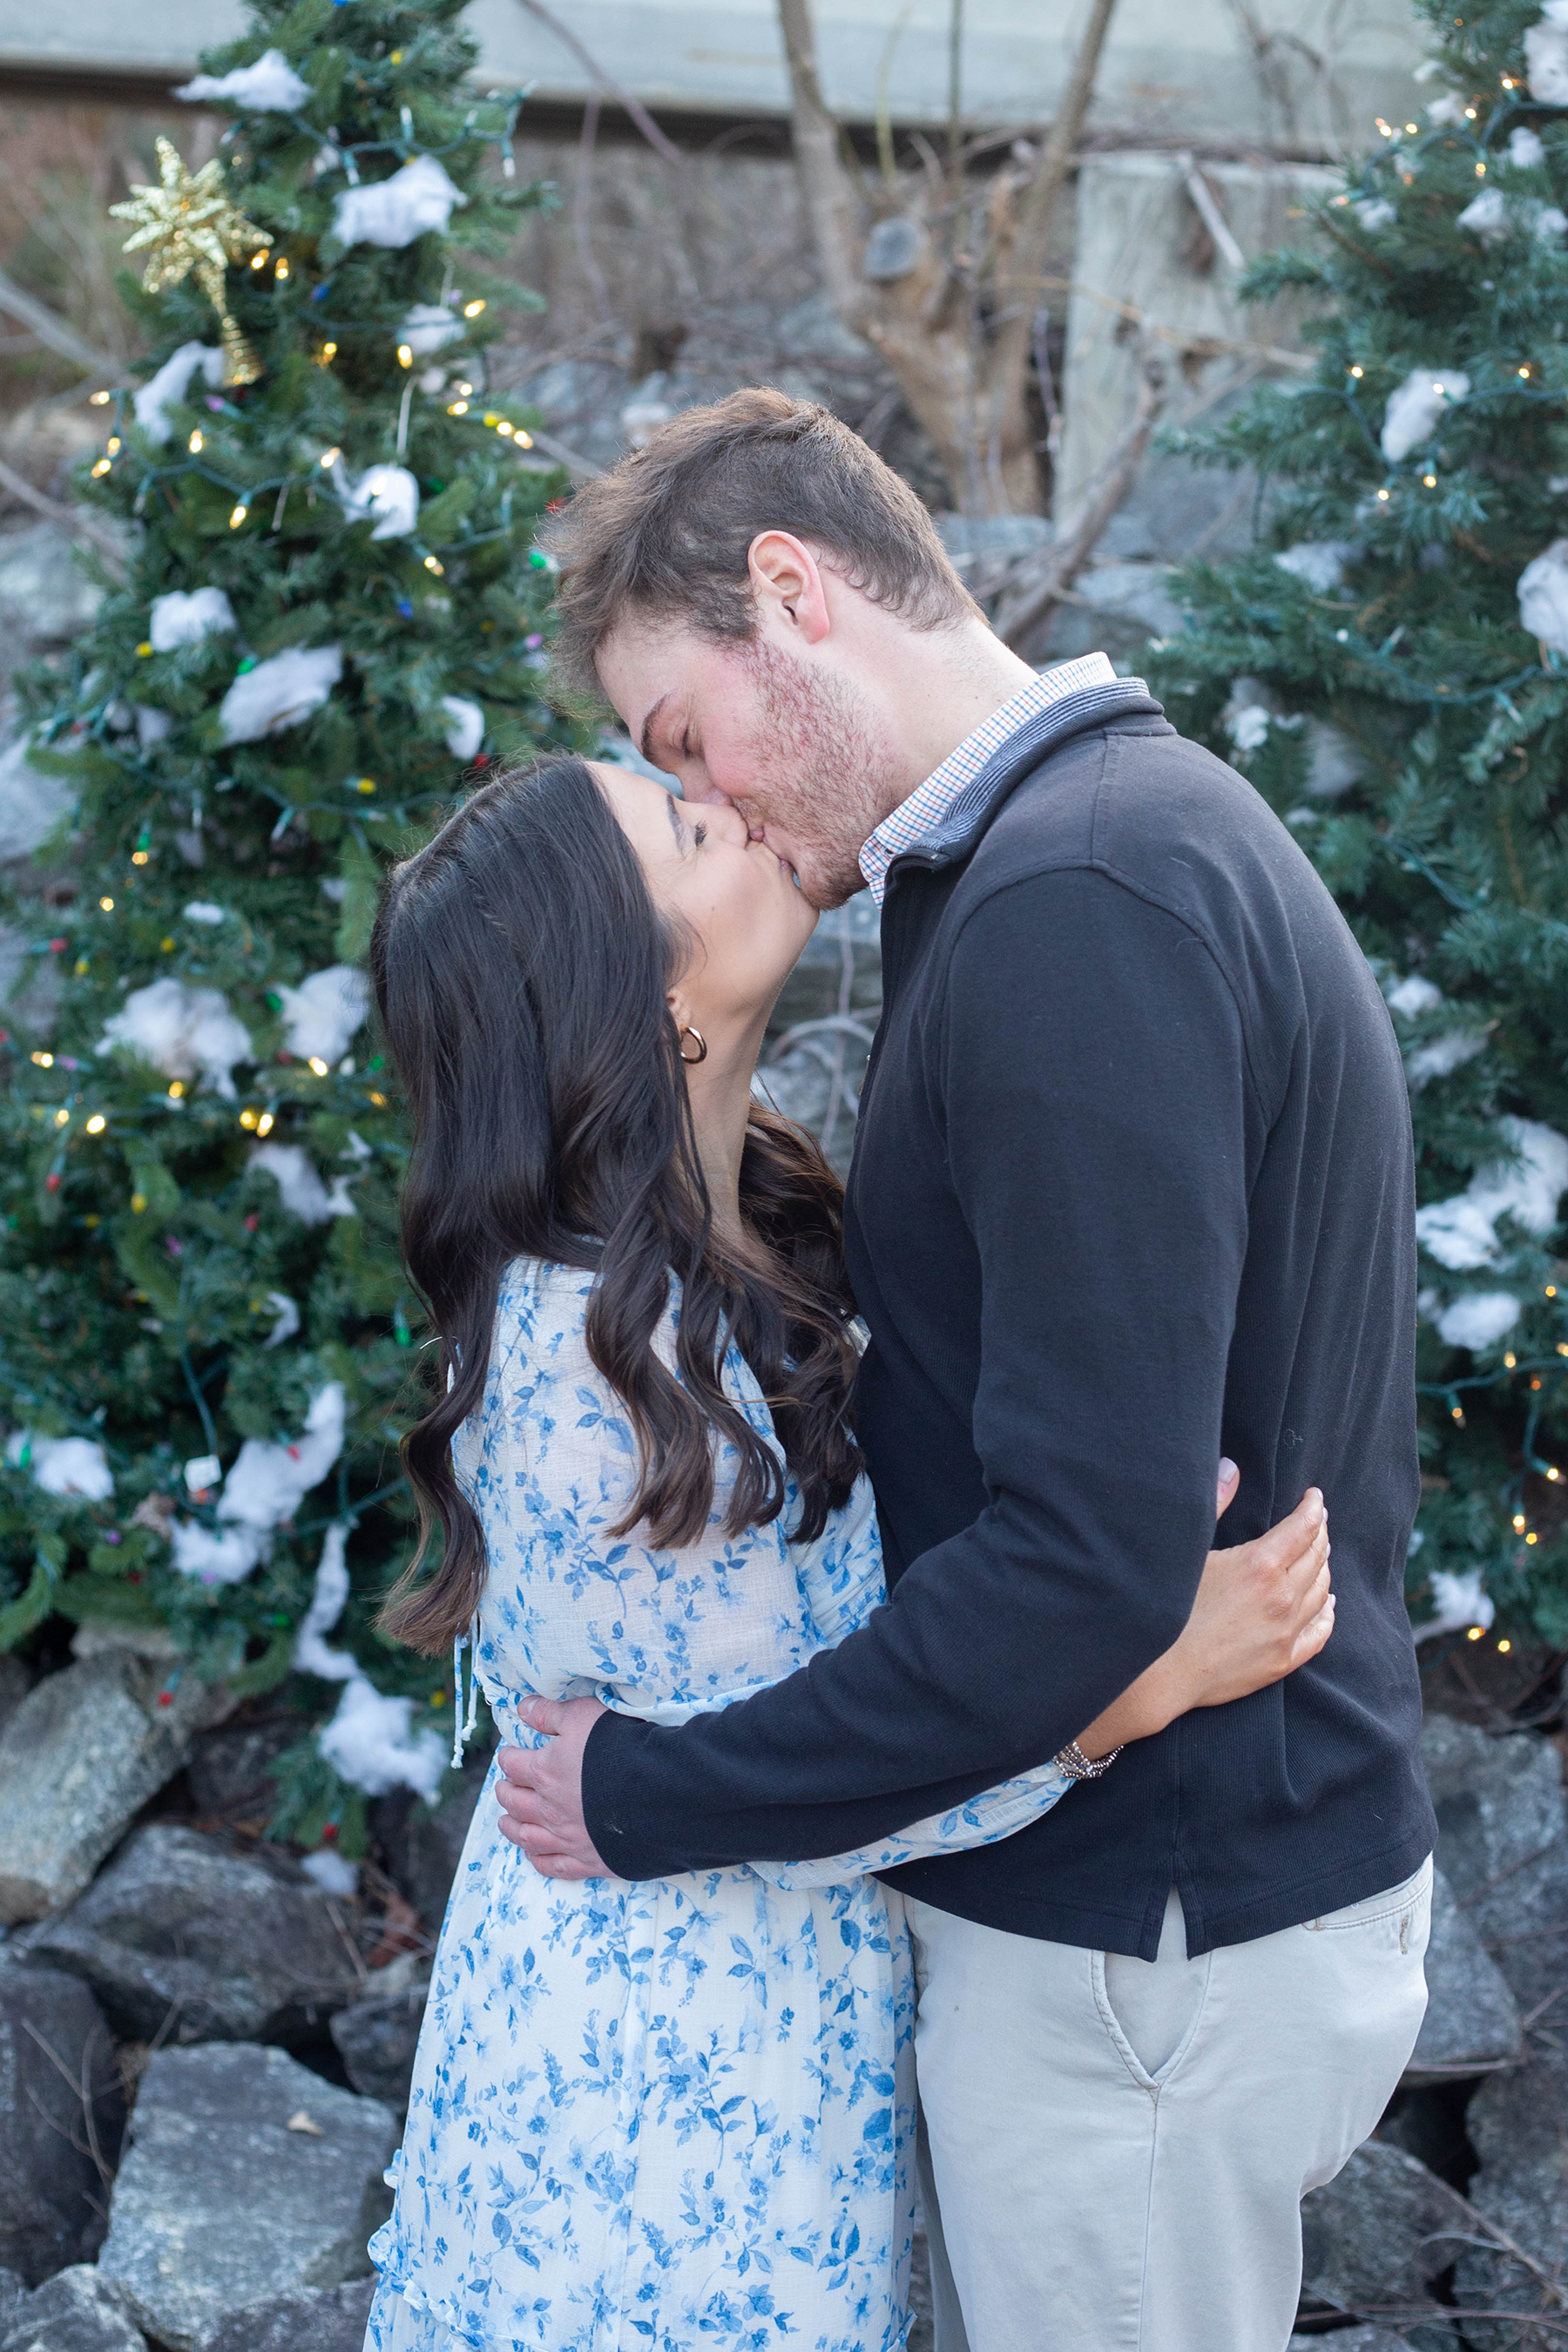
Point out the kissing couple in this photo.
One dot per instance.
(899, 1785)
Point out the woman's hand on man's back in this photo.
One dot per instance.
(1262, 1610)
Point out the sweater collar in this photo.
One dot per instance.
(927, 805)
(952, 832)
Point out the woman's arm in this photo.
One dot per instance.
(1262, 1610)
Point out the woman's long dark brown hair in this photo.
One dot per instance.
(521, 968)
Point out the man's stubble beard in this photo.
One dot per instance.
(821, 773)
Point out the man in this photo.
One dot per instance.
(1133, 1186)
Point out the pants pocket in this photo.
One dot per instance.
(1411, 1898)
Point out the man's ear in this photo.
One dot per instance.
(787, 583)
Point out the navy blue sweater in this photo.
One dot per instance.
(1132, 1188)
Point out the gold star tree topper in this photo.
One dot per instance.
(189, 224)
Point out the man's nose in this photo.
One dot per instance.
(709, 796)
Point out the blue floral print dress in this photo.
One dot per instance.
(678, 2113)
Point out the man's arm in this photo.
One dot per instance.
(1099, 1111)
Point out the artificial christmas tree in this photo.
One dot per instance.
(1390, 668)
(331, 611)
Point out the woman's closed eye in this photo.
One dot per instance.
(698, 835)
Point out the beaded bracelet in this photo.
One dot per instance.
(1078, 1766)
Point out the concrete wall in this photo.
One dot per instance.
(1297, 76)
(1143, 254)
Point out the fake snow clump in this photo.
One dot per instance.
(179, 619)
(280, 693)
(1494, 215)
(1543, 596)
(285, 1318)
(325, 1011)
(1414, 998)
(1377, 212)
(1479, 1318)
(466, 731)
(368, 1739)
(1247, 715)
(270, 86)
(63, 1466)
(1525, 149)
(304, 1194)
(390, 494)
(1442, 1054)
(428, 326)
(266, 1484)
(1413, 409)
(209, 1557)
(394, 211)
(202, 910)
(370, 1743)
(161, 391)
(1461, 1233)
(1460, 1602)
(186, 1032)
(312, 1655)
(1321, 563)
(269, 1481)
(1546, 54)
(331, 1872)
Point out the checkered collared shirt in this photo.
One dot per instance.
(915, 818)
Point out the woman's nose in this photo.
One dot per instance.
(731, 825)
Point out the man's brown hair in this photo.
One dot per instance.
(667, 533)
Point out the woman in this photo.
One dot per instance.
(677, 2113)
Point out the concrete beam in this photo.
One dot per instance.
(1311, 82)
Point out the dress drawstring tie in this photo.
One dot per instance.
(463, 1727)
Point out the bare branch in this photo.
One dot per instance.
(51, 328)
(581, 469)
(639, 114)
(583, 207)
(826, 187)
(1037, 213)
(1022, 614)
(70, 518)
(1208, 212)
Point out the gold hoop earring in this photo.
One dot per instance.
(691, 1060)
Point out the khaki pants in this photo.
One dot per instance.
(1113, 2152)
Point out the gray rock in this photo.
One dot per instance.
(241, 1946)
(77, 2310)
(316, 2319)
(378, 2036)
(1472, 2017)
(1503, 1843)
(44, 593)
(53, 2039)
(1115, 608)
(1518, 2125)
(227, 1771)
(15, 1681)
(424, 1846)
(31, 802)
(922, 2329)
(80, 1758)
(1372, 2236)
(1353, 2339)
(220, 2207)
(892, 249)
(13, 2288)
